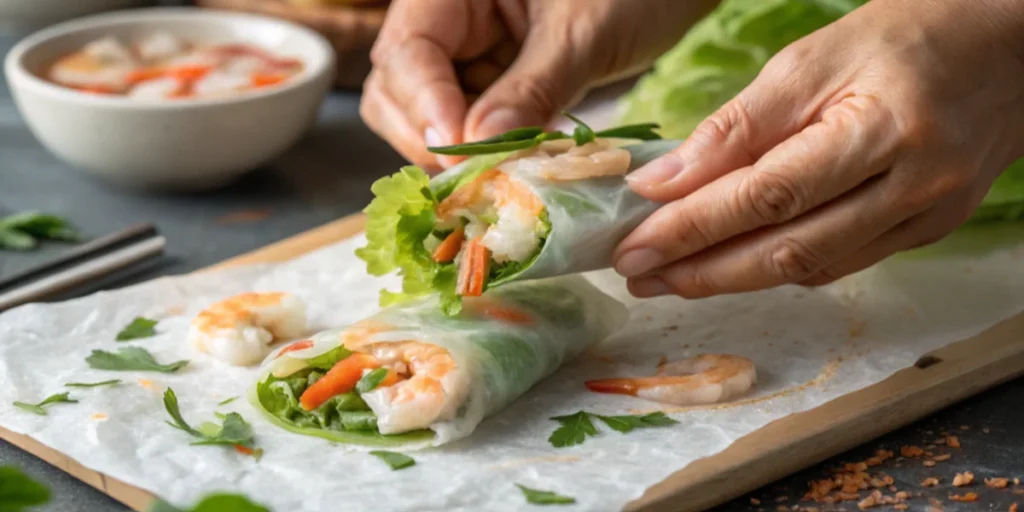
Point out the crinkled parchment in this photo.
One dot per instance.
(878, 321)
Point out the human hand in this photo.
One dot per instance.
(452, 71)
(879, 133)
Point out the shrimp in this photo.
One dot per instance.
(240, 329)
(702, 379)
(432, 392)
(102, 64)
(563, 160)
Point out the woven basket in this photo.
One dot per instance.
(350, 30)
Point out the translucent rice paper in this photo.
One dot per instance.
(811, 346)
(501, 359)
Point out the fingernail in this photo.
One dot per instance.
(649, 287)
(638, 261)
(433, 137)
(657, 172)
(501, 121)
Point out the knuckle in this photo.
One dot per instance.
(541, 93)
(689, 233)
(731, 120)
(788, 61)
(791, 261)
(691, 282)
(771, 196)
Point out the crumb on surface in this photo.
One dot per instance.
(929, 463)
(962, 479)
(1013, 507)
(967, 497)
(755, 501)
(986, 430)
(911, 451)
(964, 427)
(99, 416)
(942, 458)
(997, 483)
(930, 482)
(952, 442)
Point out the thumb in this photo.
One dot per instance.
(547, 76)
(781, 101)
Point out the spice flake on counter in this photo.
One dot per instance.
(963, 479)
(969, 497)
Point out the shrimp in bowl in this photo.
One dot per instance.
(411, 375)
(699, 380)
(239, 330)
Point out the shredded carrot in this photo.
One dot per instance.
(474, 269)
(449, 248)
(391, 379)
(501, 312)
(189, 73)
(294, 347)
(341, 378)
(97, 89)
(266, 79)
(244, 450)
(144, 74)
(615, 386)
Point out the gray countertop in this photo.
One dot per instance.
(328, 176)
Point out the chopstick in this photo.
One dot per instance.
(86, 262)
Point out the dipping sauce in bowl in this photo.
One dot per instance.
(163, 66)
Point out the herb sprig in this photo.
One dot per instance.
(59, 398)
(371, 380)
(111, 382)
(23, 231)
(575, 428)
(396, 460)
(523, 138)
(233, 432)
(539, 497)
(140, 327)
(131, 359)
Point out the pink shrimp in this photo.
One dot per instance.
(703, 379)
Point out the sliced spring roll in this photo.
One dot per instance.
(555, 208)
(412, 376)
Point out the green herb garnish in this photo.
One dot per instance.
(523, 138)
(111, 382)
(213, 503)
(234, 430)
(18, 491)
(131, 359)
(371, 380)
(52, 399)
(23, 231)
(538, 497)
(394, 459)
(139, 328)
(575, 428)
(227, 401)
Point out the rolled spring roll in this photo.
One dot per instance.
(554, 209)
(412, 376)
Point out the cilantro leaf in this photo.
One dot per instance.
(627, 424)
(213, 503)
(52, 399)
(396, 460)
(18, 491)
(22, 231)
(227, 401)
(234, 431)
(16, 240)
(582, 134)
(538, 497)
(131, 359)
(574, 430)
(111, 382)
(371, 380)
(141, 327)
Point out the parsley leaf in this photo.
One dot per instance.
(574, 430)
(141, 327)
(576, 427)
(538, 497)
(131, 359)
(627, 424)
(227, 401)
(371, 380)
(396, 460)
(18, 491)
(111, 382)
(234, 431)
(22, 231)
(38, 408)
(582, 134)
(213, 503)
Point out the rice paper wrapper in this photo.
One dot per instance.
(588, 217)
(499, 359)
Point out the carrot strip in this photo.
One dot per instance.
(341, 378)
(614, 386)
(390, 379)
(244, 450)
(137, 76)
(449, 248)
(500, 312)
(189, 73)
(97, 89)
(480, 256)
(295, 346)
(266, 79)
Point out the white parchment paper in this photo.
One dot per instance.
(876, 322)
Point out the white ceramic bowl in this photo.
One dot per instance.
(23, 16)
(181, 144)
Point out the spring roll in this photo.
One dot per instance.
(556, 208)
(413, 376)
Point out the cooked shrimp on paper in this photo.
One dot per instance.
(699, 380)
(240, 329)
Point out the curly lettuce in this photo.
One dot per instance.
(724, 53)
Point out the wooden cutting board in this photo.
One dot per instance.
(797, 441)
